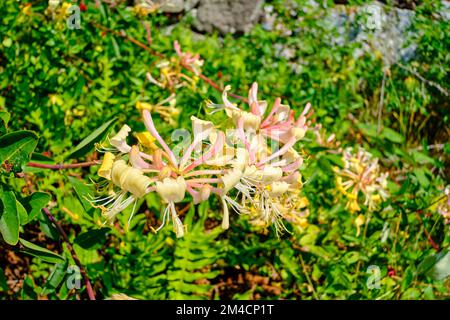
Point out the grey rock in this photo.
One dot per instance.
(190, 4)
(171, 6)
(374, 26)
(227, 16)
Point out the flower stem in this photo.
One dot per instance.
(63, 166)
(89, 289)
(138, 43)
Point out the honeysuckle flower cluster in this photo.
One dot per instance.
(166, 108)
(361, 175)
(253, 168)
(171, 76)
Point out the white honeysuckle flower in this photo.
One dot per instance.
(201, 128)
(254, 169)
(230, 179)
(226, 214)
(171, 190)
(129, 179)
(240, 162)
(267, 175)
(278, 188)
(132, 182)
(250, 121)
(223, 158)
(298, 133)
(120, 139)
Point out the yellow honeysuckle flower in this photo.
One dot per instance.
(107, 163)
(353, 206)
(144, 106)
(146, 140)
(359, 221)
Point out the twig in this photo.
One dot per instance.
(380, 102)
(307, 278)
(430, 83)
(122, 34)
(430, 239)
(218, 88)
(63, 166)
(149, 32)
(63, 234)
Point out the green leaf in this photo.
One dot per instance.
(370, 130)
(83, 191)
(28, 289)
(392, 135)
(47, 227)
(22, 213)
(437, 265)
(441, 269)
(16, 148)
(422, 158)
(88, 143)
(4, 117)
(421, 177)
(34, 203)
(411, 294)
(3, 284)
(9, 217)
(41, 253)
(91, 238)
(55, 278)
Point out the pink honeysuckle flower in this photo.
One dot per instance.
(198, 183)
(189, 60)
(279, 125)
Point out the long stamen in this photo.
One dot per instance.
(132, 212)
(281, 151)
(151, 128)
(209, 154)
(166, 213)
(203, 172)
(242, 136)
(275, 108)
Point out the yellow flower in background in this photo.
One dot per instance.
(27, 9)
(359, 221)
(55, 99)
(361, 175)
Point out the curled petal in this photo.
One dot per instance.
(119, 140)
(129, 179)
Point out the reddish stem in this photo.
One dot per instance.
(63, 166)
(427, 234)
(160, 55)
(63, 234)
